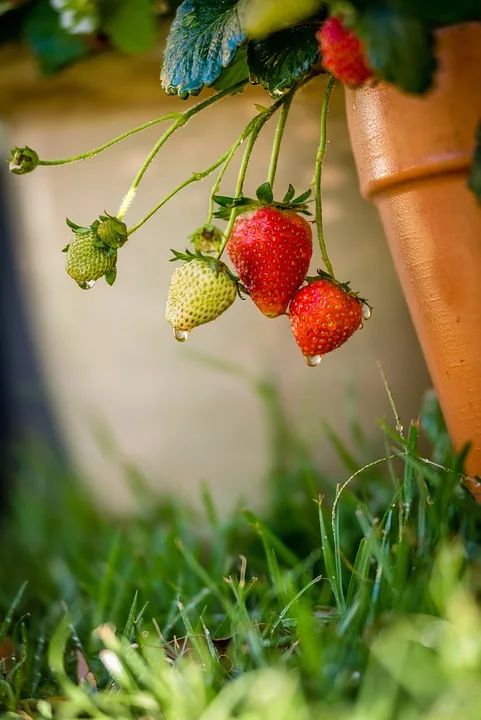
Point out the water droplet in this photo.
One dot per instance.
(361, 326)
(312, 360)
(180, 335)
(277, 93)
(366, 311)
(253, 79)
(87, 285)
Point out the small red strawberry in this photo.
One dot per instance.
(342, 53)
(323, 315)
(271, 250)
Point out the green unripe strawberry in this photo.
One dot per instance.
(22, 160)
(207, 239)
(112, 231)
(86, 262)
(200, 290)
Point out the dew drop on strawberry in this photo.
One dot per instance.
(180, 335)
(312, 360)
(366, 311)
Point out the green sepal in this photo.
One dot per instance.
(346, 286)
(289, 194)
(301, 199)
(264, 193)
(111, 276)
(66, 248)
(73, 226)
(215, 263)
(264, 199)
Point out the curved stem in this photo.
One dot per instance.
(91, 153)
(180, 121)
(318, 175)
(195, 177)
(258, 124)
(278, 137)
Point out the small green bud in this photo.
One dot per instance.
(207, 239)
(22, 160)
(112, 231)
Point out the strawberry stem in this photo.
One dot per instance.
(195, 177)
(181, 120)
(230, 154)
(278, 137)
(257, 125)
(318, 175)
(92, 153)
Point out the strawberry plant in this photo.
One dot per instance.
(225, 45)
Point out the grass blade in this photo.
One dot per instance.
(331, 565)
(11, 612)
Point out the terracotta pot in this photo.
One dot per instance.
(413, 155)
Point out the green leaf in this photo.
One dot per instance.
(474, 181)
(54, 47)
(282, 59)
(237, 71)
(203, 40)
(264, 17)
(440, 12)
(132, 28)
(399, 48)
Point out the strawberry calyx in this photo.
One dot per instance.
(22, 160)
(345, 286)
(264, 198)
(215, 264)
(207, 239)
(110, 232)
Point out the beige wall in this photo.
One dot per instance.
(108, 354)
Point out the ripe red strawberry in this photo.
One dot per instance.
(342, 53)
(323, 316)
(271, 250)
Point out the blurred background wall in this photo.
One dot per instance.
(119, 387)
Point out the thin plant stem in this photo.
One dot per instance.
(179, 122)
(318, 175)
(215, 189)
(259, 123)
(92, 153)
(278, 138)
(195, 177)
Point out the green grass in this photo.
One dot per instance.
(356, 603)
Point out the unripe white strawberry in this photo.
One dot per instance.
(200, 290)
